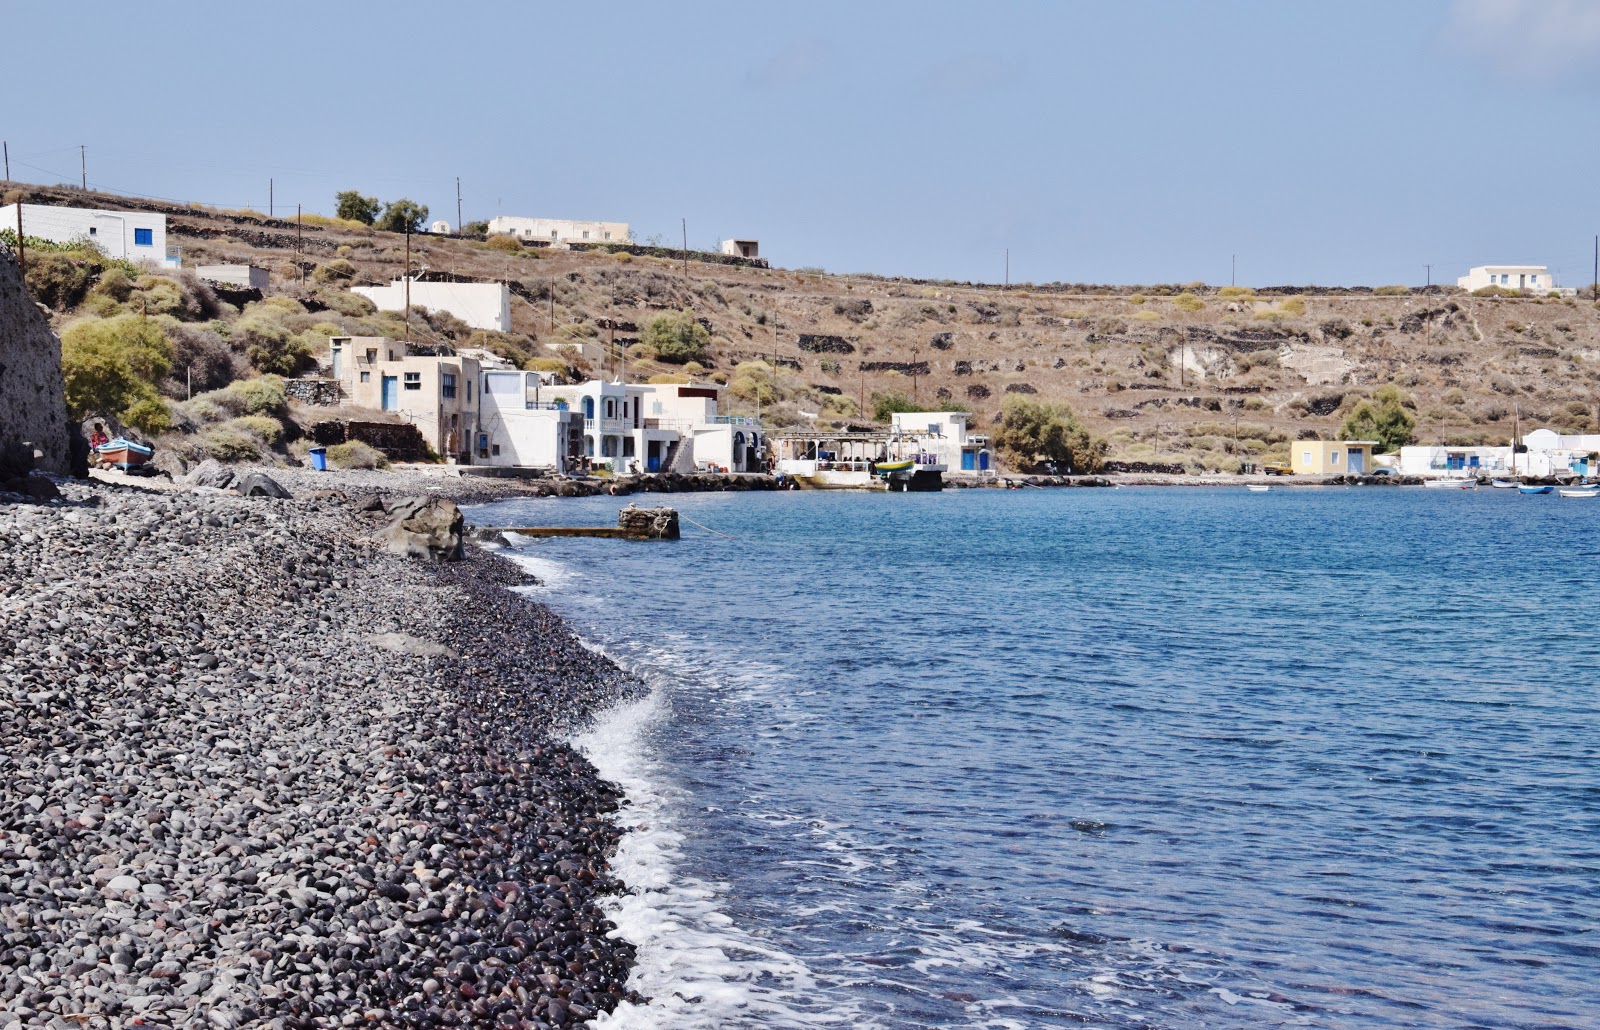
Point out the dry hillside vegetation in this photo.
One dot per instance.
(1193, 374)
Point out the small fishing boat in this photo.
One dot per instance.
(886, 467)
(1451, 484)
(1579, 491)
(1530, 490)
(1504, 484)
(1257, 488)
(124, 453)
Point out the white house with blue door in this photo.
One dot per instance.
(437, 393)
(137, 236)
(686, 430)
(523, 424)
(942, 433)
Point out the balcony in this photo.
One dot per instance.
(737, 420)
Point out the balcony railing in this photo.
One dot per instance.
(737, 420)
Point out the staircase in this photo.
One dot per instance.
(671, 455)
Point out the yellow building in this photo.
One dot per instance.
(1332, 457)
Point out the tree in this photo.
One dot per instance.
(1382, 418)
(403, 216)
(110, 367)
(475, 229)
(754, 381)
(356, 208)
(678, 338)
(1030, 431)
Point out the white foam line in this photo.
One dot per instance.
(697, 968)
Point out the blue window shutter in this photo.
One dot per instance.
(143, 237)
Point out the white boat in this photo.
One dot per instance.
(1579, 491)
(1504, 484)
(1257, 488)
(1451, 484)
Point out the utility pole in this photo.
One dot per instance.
(458, 205)
(299, 245)
(1233, 275)
(6, 146)
(552, 305)
(269, 198)
(407, 273)
(22, 249)
(1430, 275)
(686, 248)
(83, 165)
(1008, 267)
(1595, 289)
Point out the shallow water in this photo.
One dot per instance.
(1182, 757)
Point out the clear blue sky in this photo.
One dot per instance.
(1129, 141)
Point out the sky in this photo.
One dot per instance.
(1349, 142)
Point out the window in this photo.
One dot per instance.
(413, 380)
(495, 450)
(608, 236)
(469, 391)
(1533, 280)
(366, 377)
(447, 384)
(586, 234)
(372, 355)
(93, 231)
(1307, 457)
(552, 234)
(1333, 457)
(144, 237)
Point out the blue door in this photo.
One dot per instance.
(969, 461)
(391, 393)
(983, 461)
(1357, 462)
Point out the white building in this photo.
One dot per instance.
(1556, 454)
(480, 305)
(1441, 461)
(941, 433)
(440, 228)
(691, 413)
(1548, 454)
(245, 276)
(742, 248)
(137, 236)
(520, 424)
(545, 232)
(1527, 278)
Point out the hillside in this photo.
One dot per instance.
(1194, 374)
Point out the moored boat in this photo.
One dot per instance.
(1257, 488)
(1504, 484)
(1451, 484)
(124, 453)
(1530, 490)
(1579, 491)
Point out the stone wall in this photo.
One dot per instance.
(33, 407)
(320, 392)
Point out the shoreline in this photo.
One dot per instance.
(272, 775)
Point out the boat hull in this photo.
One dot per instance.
(124, 454)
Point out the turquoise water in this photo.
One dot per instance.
(1135, 757)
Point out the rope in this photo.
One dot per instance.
(708, 529)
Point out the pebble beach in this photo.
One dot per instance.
(258, 772)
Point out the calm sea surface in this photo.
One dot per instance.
(1122, 758)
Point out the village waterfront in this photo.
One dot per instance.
(1130, 757)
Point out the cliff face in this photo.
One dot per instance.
(33, 407)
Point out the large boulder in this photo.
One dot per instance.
(424, 527)
(259, 484)
(212, 473)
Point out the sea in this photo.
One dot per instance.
(1132, 757)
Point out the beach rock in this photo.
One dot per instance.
(212, 473)
(259, 484)
(424, 527)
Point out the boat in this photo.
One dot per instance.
(1504, 484)
(124, 453)
(1535, 490)
(1579, 491)
(1257, 488)
(886, 467)
(1451, 484)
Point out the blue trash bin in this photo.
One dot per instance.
(319, 458)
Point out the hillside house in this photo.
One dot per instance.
(435, 393)
(243, 276)
(480, 305)
(741, 248)
(691, 413)
(1527, 278)
(942, 434)
(137, 236)
(547, 232)
(1332, 457)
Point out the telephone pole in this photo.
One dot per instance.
(22, 249)
(6, 146)
(458, 205)
(83, 165)
(269, 198)
(299, 245)
(1430, 275)
(407, 273)
(686, 248)
(1008, 267)
(1233, 274)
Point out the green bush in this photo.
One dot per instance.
(754, 381)
(1236, 292)
(1382, 418)
(228, 442)
(1393, 291)
(110, 365)
(678, 338)
(1034, 430)
(354, 454)
(343, 302)
(1187, 302)
(353, 207)
(336, 271)
(267, 344)
(268, 430)
(505, 243)
(150, 416)
(263, 396)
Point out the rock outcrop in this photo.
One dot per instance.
(33, 406)
(424, 527)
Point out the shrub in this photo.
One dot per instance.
(150, 416)
(268, 345)
(227, 442)
(678, 338)
(343, 302)
(1382, 418)
(754, 381)
(505, 243)
(669, 377)
(333, 223)
(263, 396)
(1146, 316)
(1187, 302)
(1393, 291)
(59, 281)
(268, 430)
(335, 271)
(1496, 291)
(353, 207)
(201, 360)
(1033, 430)
(1454, 397)
(547, 365)
(403, 215)
(353, 454)
(110, 365)
(1236, 292)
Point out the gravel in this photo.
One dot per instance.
(256, 772)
